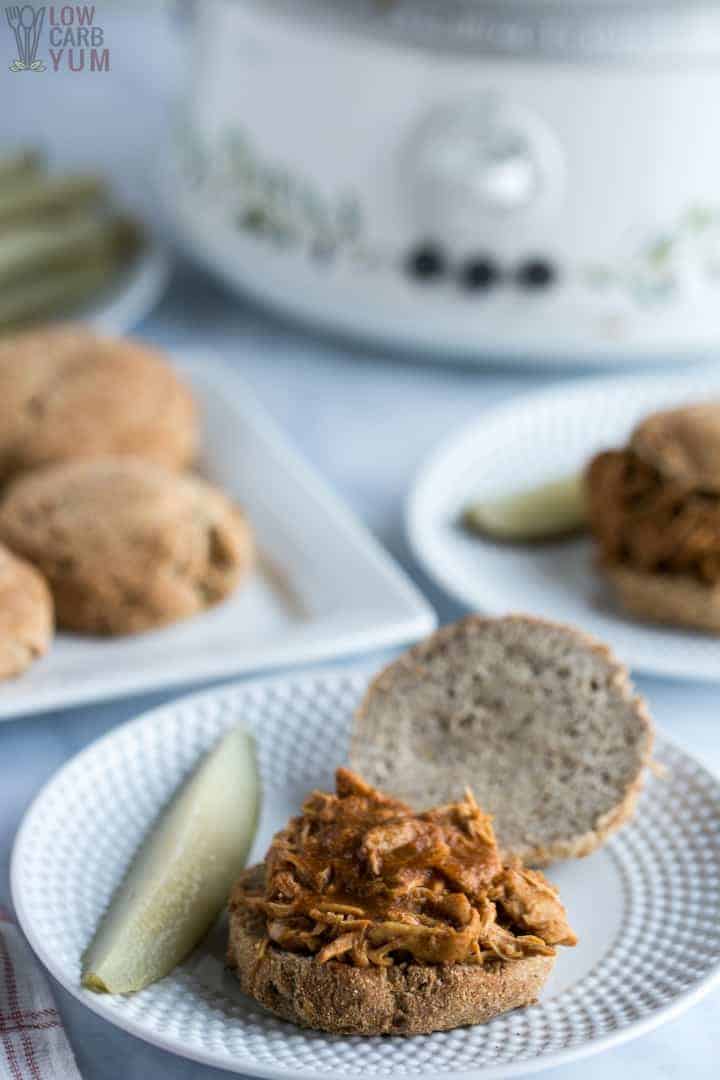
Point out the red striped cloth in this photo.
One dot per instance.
(33, 1044)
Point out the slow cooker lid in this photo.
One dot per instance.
(620, 30)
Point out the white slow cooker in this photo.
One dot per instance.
(531, 179)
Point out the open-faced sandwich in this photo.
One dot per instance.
(654, 510)
(372, 914)
(367, 918)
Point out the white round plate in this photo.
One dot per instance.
(646, 907)
(526, 442)
(127, 302)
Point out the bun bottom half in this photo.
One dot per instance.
(663, 598)
(404, 999)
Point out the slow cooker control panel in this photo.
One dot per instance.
(430, 261)
(471, 171)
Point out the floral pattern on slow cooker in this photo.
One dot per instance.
(285, 209)
(666, 263)
(276, 205)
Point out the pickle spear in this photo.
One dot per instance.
(49, 197)
(55, 293)
(23, 166)
(546, 512)
(36, 251)
(181, 876)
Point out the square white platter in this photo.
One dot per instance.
(323, 588)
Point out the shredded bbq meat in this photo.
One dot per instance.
(361, 879)
(649, 522)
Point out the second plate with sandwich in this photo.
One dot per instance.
(539, 440)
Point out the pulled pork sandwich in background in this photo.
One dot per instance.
(654, 511)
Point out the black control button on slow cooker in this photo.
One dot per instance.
(479, 272)
(536, 274)
(426, 262)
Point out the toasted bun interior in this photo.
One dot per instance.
(540, 720)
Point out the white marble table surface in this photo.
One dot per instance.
(365, 421)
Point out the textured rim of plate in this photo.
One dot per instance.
(352, 675)
(453, 583)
